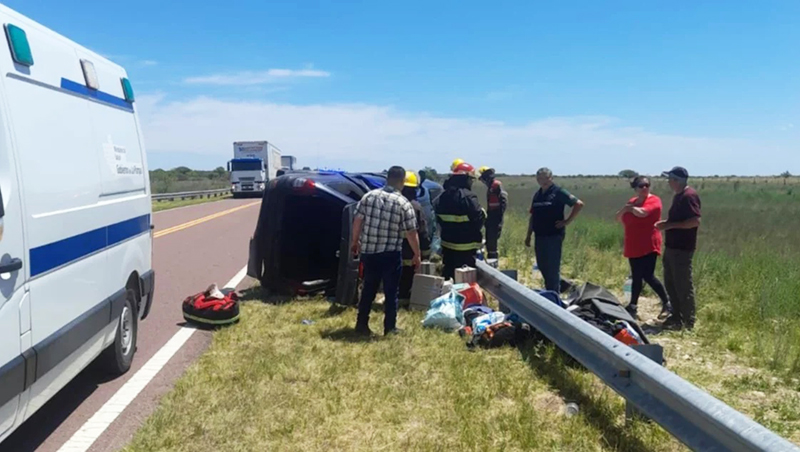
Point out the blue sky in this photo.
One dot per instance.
(581, 86)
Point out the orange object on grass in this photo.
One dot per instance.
(472, 295)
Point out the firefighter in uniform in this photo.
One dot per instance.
(496, 202)
(461, 219)
(410, 190)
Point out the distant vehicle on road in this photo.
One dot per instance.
(301, 243)
(75, 217)
(288, 162)
(254, 163)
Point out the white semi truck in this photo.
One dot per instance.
(254, 163)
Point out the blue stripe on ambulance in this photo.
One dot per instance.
(53, 255)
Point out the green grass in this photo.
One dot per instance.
(272, 383)
(166, 205)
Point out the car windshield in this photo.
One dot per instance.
(246, 165)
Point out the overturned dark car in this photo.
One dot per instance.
(302, 239)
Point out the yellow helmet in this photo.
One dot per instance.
(411, 179)
(455, 163)
(483, 169)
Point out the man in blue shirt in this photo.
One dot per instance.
(548, 223)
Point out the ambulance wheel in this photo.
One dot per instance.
(117, 358)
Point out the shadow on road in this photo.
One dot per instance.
(36, 430)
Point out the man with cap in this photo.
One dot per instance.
(496, 202)
(680, 229)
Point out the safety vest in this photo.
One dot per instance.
(461, 218)
(494, 194)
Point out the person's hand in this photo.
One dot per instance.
(662, 225)
(528, 241)
(355, 249)
(562, 224)
(416, 261)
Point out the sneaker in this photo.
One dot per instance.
(666, 311)
(393, 332)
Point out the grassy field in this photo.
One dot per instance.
(274, 383)
(166, 205)
(746, 267)
(318, 388)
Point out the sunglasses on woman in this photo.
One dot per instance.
(643, 186)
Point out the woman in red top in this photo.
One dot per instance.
(643, 242)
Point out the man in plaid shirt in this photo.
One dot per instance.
(383, 218)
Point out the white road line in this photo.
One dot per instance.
(83, 439)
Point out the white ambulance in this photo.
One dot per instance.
(75, 216)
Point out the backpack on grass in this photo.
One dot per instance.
(208, 309)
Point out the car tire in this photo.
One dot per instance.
(117, 358)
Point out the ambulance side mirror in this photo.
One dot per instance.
(2, 209)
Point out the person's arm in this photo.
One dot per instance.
(503, 200)
(358, 225)
(413, 240)
(474, 210)
(530, 229)
(691, 223)
(576, 205)
(410, 226)
(621, 212)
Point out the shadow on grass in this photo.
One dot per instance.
(553, 366)
(348, 335)
(263, 296)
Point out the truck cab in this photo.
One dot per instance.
(248, 176)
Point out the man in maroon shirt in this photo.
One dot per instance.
(680, 229)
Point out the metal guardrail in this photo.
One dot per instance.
(697, 419)
(190, 194)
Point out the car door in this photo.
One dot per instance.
(14, 309)
(348, 278)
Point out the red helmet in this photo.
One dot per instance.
(464, 169)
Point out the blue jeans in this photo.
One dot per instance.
(548, 258)
(379, 267)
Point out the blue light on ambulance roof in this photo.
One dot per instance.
(20, 48)
(127, 89)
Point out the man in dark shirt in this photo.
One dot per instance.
(680, 229)
(548, 223)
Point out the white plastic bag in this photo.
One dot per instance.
(445, 312)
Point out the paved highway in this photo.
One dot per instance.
(194, 247)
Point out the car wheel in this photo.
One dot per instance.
(117, 358)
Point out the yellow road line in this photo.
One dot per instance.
(189, 224)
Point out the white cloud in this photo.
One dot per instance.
(256, 77)
(148, 63)
(372, 137)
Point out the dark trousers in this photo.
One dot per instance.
(380, 267)
(456, 259)
(643, 270)
(406, 281)
(679, 284)
(493, 231)
(548, 258)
